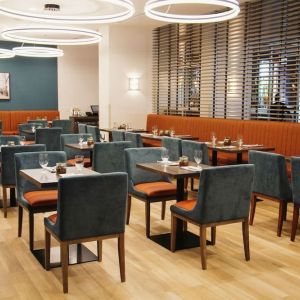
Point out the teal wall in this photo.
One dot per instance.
(33, 82)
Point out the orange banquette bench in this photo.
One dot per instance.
(284, 136)
(11, 119)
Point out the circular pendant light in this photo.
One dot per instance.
(45, 52)
(6, 53)
(152, 6)
(52, 35)
(69, 11)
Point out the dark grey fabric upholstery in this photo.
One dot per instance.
(135, 138)
(94, 131)
(296, 179)
(31, 161)
(8, 175)
(90, 206)
(118, 135)
(65, 125)
(73, 139)
(4, 139)
(174, 147)
(224, 194)
(110, 157)
(271, 177)
(27, 126)
(50, 137)
(82, 128)
(189, 147)
(38, 122)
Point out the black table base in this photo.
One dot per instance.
(186, 241)
(78, 254)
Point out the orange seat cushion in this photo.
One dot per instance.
(187, 204)
(87, 162)
(156, 189)
(41, 198)
(53, 218)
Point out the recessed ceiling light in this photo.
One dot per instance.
(44, 52)
(6, 53)
(152, 12)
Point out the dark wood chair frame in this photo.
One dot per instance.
(4, 189)
(295, 221)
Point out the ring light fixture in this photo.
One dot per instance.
(46, 52)
(6, 53)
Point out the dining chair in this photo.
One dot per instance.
(4, 139)
(8, 176)
(43, 123)
(146, 186)
(173, 145)
(86, 214)
(82, 128)
(25, 128)
(94, 131)
(71, 153)
(271, 183)
(29, 196)
(220, 201)
(110, 157)
(65, 125)
(50, 137)
(135, 138)
(118, 135)
(295, 161)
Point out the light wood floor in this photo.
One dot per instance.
(155, 273)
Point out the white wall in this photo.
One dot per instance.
(78, 80)
(125, 51)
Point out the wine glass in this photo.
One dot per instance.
(172, 132)
(43, 160)
(33, 128)
(240, 141)
(165, 155)
(22, 140)
(154, 130)
(213, 139)
(79, 162)
(80, 140)
(198, 158)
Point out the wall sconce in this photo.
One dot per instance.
(134, 84)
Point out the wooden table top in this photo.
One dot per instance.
(171, 170)
(236, 149)
(150, 136)
(82, 147)
(136, 130)
(47, 179)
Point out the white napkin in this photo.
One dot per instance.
(191, 168)
(168, 163)
(69, 175)
(50, 169)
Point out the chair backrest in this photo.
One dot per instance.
(65, 125)
(94, 131)
(174, 147)
(73, 139)
(110, 157)
(189, 147)
(27, 126)
(296, 179)
(271, 177)
(118, 135)
(136, 175)
(4, 139)
(224, 194)
(135, 138)
(50, 137)
(38, 122)
(8, 176)
(82, 128)
(91, 206)
(30, 160)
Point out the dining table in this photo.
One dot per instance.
(110, 130)
(185, 239)
(48, 179)
(82, 147)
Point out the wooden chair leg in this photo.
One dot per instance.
(64, 264)
(280, 217)
(173, 232)
(163, 209)
(252, 209)
(99, 250)
(245, 228)
(185, 225)
(203, 246)
(213, 234)
(4, 201)
(128, 209)
(121, 252)
(20, 220)
(285, 210)
(295, 222)
(31, 231)
(47, 249)
(147, 213)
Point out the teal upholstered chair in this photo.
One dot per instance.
(94, 131)
(135, 138)
(223, 198)
(50, 137)
(4, 139)
(8, 176)
(43, 123)
(29, 196)
(82, 128)
(65, 125)
(85, 214)
(73, 139)
(270, 182)
(144, 185)
(173, 145)
(118, 135)
(296, 194)
(110, 157)
(23, 128)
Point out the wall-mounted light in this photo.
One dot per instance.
(134, 84)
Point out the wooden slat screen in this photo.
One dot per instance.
(246, 68)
